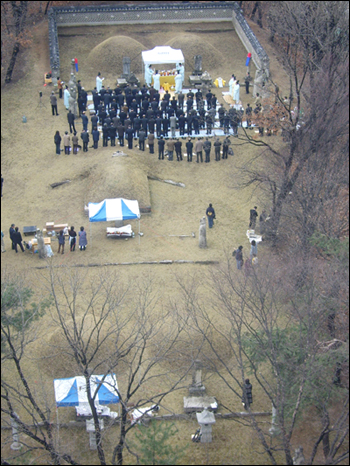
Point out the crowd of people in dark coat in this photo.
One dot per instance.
(130, 113)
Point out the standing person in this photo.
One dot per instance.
(253, 215)
(94, 122)
(53, 101)
(231, 84)
(236, 92)
(253, 249)
(95, 137)
(99, 82)
(247, 398)
(75, 142)
(198, 148)
(189, 148)
(178, 145)
(210, 213)
(130, 135)
(178, 83)
(248, 112)
(217, 146)
(112, 134)
(239, 257)
(2, 182)
(148, 75)
(66, 143)
(151, 142)
(2, 243)
(121, 132)
(57, 139)
(17, 239)
(72, 238)
(85, 138)
(82, 239)
(66, 98)
(60, 87)
(161, 144)
(142, 137)
(11, 233)
(105, 135)
(61, 242)
(173, 125)
(207, 149)
(170, 147)
(156, 81)
(85, 121)
(247, 80)
(225, 147)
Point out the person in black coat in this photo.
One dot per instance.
(112, 133)
(85, 121)
(189, 148)
(137, 125)
(247, 398)
(17, 239)
(121, 131)
(105, 131)
(161, 144)
(253, 215)
(71, 118)
(165, 123)
(85, 138)
(158, 126)
(57, 140)
(94, 121)
(95, 137)
(11, 233)
(142, 137)
(178, 145)
(129, 136)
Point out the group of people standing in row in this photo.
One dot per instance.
(72, 240)
(131, 112)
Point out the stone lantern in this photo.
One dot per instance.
(205, 420)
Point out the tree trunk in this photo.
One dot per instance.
(118, 451)
(12, 63)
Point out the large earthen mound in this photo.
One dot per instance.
(191, 45)
(107, 56)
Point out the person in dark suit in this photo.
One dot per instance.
(53, 101)
(137, 125)
(11, 233)
(17, 239)
(71, 118)
(94, 122)
(189, 148)
(178, 146)
(95, 137)
(207, 149)
(253, 215)
(161, 144)
(105, 131)
(112, 134)
(142, 137)
(121, 131)
(85, 121)
(85, 138)
(151, 142)
(129, 136)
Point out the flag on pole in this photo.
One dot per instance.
(76, 64)
(249, 56)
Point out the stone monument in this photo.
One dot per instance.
(90, 427)
(15, 445)
(202, 233)
(205, 420)
(274, 429)
(41, 244)
(198, 65)
(197, 388)
(126, 68)
(298, 458)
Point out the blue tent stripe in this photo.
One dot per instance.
(101, 215)
(72, 397)
(105, 396)
(126, 212)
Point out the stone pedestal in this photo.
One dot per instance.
(205, 420)
(15, 445)
(194, 404)
(90, 427)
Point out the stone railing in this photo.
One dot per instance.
(154, 13)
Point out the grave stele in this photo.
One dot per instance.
(197, 64)
(15, 445)
(274, 429)
(126, 67)
(197, 388)
(202, 233)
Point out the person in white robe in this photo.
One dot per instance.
(99, 82)
(66, 96)
(156, 81)
(178, 83)
(236, 92)
(182, 71)
(148, 75)
(231, 83)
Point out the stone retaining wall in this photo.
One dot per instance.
(153, 13)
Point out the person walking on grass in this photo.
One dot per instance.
(82, 239)
(210, 213)
(17, 239)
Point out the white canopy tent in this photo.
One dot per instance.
(162, 55)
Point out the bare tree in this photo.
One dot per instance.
(274, 330)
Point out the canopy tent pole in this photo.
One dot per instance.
(139, 232)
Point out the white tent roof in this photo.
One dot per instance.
(162, 54)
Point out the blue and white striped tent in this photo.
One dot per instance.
(113, 209)
(73, 392)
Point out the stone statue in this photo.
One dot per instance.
(41, 244)
(202, 233)
(299, 456)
